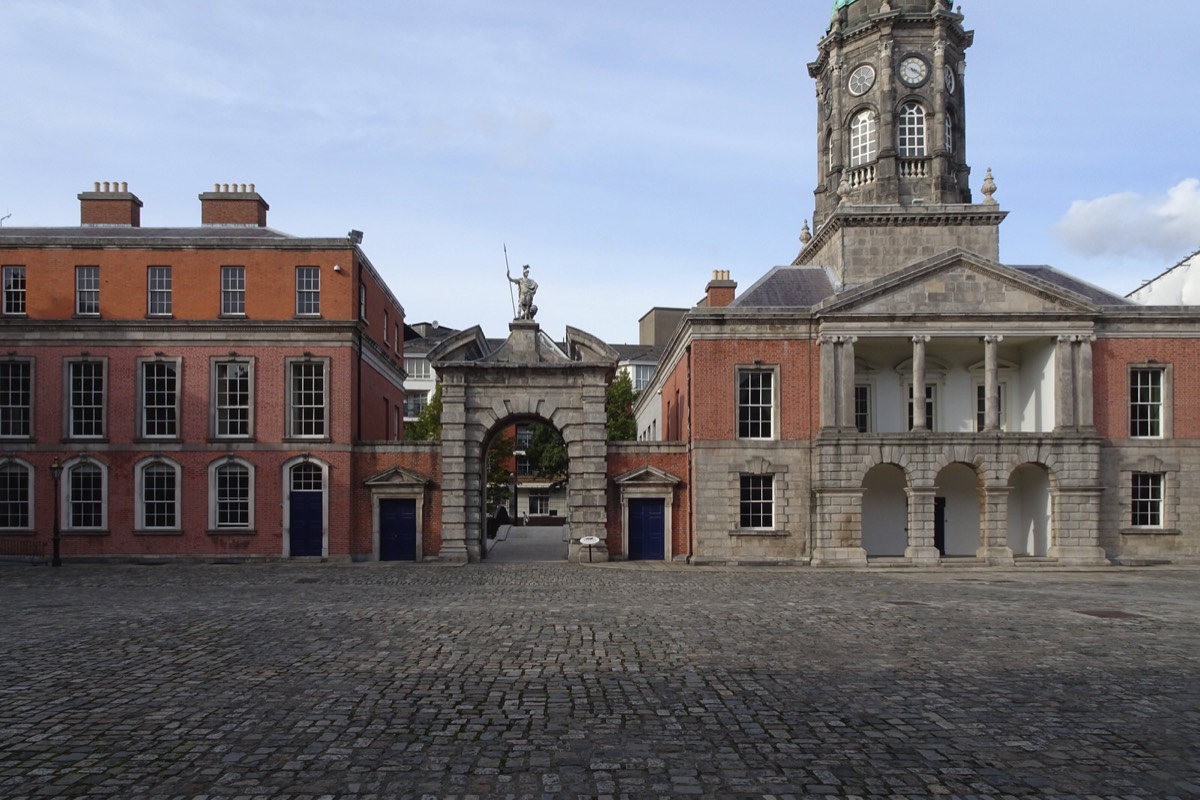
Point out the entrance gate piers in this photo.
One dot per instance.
(526, 377)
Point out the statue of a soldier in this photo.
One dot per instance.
(526, 288)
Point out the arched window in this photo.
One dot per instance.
(231, 495)
(911, 131)
(16, 497)
(864, 140)
(86, 506)
(158, 495)
(307, 477)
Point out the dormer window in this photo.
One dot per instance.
(864, 138)
(911, 131)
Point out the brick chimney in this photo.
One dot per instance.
(233, 204)
(110, 203)
(720, 290)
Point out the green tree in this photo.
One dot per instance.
(428, 427)
(499, 478)
(547, 453)
(618, 406)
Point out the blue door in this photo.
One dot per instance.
(304, 523)
(646, 540)
(397, 530)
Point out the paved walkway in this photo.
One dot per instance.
(527, 543)
(556, 680)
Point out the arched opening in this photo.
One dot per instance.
(1029, 511)
(957, 511)
(885, 511)
(306, 511)
(526, 492)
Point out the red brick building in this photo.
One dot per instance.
(204, 389)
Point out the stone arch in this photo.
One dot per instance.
(1030, 510)
(885, 510)
(960, 485)
(527, 376)
(895, 455)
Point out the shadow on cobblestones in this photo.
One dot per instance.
(559, 680)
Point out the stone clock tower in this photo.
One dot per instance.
(891, 148)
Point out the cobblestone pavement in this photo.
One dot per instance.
(560, 680)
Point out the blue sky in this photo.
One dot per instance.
(622, 149)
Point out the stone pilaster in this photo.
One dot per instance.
(1076, 528)
(846, 382)
(829, 384)
(1064, 385)
(994, 548)
(837, 540)
(1084, 412)
(921, 550)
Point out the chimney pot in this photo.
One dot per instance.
(95, 186)
(124, 186)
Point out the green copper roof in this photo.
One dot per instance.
(841, 4)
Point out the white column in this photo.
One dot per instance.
(991, 383)
(918, 383)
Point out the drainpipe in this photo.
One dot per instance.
(691, 528)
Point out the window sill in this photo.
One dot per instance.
(307, 439)
(17, 532)
(86, 440)
(1151, 532)
(158, 439)
(160, 316)
(96, 532)
(769, 534)
(233, 532)
(232, 315)
(157, 532)
(231, 440)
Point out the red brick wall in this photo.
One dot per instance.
(423, 459)
(714, 374)
(196, 282)
(623, 458)
(1110, 361)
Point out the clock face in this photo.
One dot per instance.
(914, 70)
(862, 79)
(948, 73)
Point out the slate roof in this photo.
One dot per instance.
(643, 353)
(1094, 294)
(787, 287)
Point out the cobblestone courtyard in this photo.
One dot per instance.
(557, 680)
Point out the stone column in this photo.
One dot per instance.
(1084, 412)
(918, 383)
(941, 163)
(1064, 384)
(846, 378)
(994, 548)
(921, 551)
(991, 383)
(829, 385)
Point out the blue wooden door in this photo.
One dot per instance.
(397, 530)
(646, 540)
(305, 527)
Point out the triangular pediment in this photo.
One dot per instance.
(646, 476)
(396, 477)
(956, 283)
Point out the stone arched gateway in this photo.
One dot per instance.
(528, 376)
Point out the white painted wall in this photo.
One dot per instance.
(1036, 387)
(959, 484)
(885, 511)
(1029, 511)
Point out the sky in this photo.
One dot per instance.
(624, 150)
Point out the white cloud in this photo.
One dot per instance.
(1131, 225)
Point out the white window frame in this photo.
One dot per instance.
(742, 409)
(642, 375)
(864, 137)
(14, 290)
(159, 282)
(69, 406)
(1148, 505)
(418, 367)
(143, 417)
(87, 290)
(214, 498)
(931, 405)
(233, 291)
(1154, 407)
(215, 385)
(142, 467)
(978, 391)
(308, 291)
(912, 131)
(18, 464)
(538, 504)
(67, 500)
(24, 412)
(750, 497)
(296, 421)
